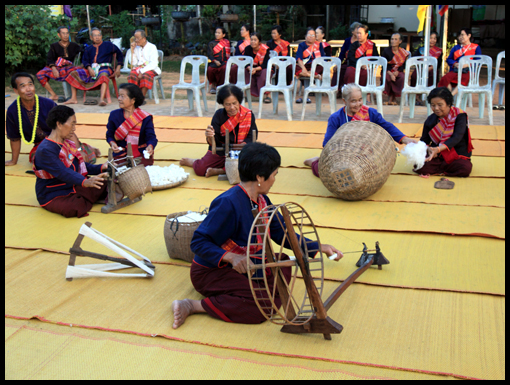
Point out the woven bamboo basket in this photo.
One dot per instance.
(178, 237)
(232, 170)
(357, 160)
(135, 182)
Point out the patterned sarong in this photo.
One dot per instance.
(64, 68)
(81, 79)
(146, 81)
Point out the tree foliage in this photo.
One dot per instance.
(29, 31)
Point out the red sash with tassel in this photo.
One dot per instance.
(67, 153)
(282, 48)
(222, 44)
(243, 45)
(243, 118)
(130, 129)
(259, 57)
(444, 130)
(466, 50)
(365, 49)
(398, 59)
(362, 114)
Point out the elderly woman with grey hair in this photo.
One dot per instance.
(355, 110)
(145, 65)
(344, 51)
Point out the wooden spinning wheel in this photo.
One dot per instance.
(305, 313)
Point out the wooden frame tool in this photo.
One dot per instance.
(235, 147)
(112, 204)
(309, 314)
(101, 270)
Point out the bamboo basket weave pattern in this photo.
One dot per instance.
(357, 160)
(135, 182)
(178, 237)
(232, 170)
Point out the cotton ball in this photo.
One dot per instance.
(415, 154)
(146, 154)
(161, 176)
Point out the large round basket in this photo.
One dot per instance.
(169, 185)
(232, 170)
(357, 160)
(135, 182)
(178, 237)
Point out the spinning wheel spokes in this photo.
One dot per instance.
(269, 278)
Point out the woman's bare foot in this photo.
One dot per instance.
(187, 162)
(71, 101)
(184, 308)
(53, 96)
(309, 162)
(214, 171)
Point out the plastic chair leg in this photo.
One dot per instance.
(379, 103)
(196, 93)
(332, 102)
(489, 106)
(190, 99)
(304, 105)
(501, 93)
(172, 102)
(260, 104)
(204, 98)
(160, 81)
(402, 102)
(275, 101)
(288, 102)
(156, 98)
(412, 104)
(481, 105)
(318, 103)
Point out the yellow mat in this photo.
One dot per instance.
(270, 125)
(483, 166)
(111, 356)
(417, 260)
(361, 215)
(421, 330)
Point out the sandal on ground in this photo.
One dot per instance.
(267, 100)
(91, 102)
(308, 101)
(299, 101)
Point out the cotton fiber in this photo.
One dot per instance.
(415, 154)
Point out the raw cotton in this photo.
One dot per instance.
(191, 217)
(161, 176)
(415, 154)
(234, 154)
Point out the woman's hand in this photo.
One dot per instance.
(432, 152)
(114, 146)
(330, 250)
(209, 134)
(95, 181)
(238, 263)
(217, 63)
(150, 149)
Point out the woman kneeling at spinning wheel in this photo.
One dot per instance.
(62, 185)
(219, 270)
(234, 118)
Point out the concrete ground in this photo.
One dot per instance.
(391, 113)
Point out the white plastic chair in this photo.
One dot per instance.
(159, 79)
(498, 79)
(193, 88)
(242, 62)
(372, 63)
(475, 63)
(127, 63)
(325, 87)
(421, 64)
(282, 62)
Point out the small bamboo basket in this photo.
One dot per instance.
(178, 237)
(135, 182)
(357, 160)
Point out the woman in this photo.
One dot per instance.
(395, 78)
(260, 54)
(320, 33)
(238, 120)
(446, 132)
(355, 110)
(62, 185)
(307, 52)
(343, 55)
(434, 52)
(361, 48)
(281, 47)
(241, 46)
(130, 124)
(219, 270)
(218, 51)
(464, 48)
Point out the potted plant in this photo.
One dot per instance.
(229, 17)
(183, 14)
(277, 8)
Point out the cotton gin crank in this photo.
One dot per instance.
(357, 160)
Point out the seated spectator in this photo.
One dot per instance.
(97, 60)
(218, 52)
(59, 62)
(260, 54)
(361, 48)
(395, 78)
(306, 53)
(434, 51)
(464, 48)
(145, 65)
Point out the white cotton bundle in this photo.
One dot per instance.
(161, 176)
(234, 154)
(146, 154)
(191, 217)
(415, 154)
(122, 170)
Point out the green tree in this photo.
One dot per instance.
(29, 31)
